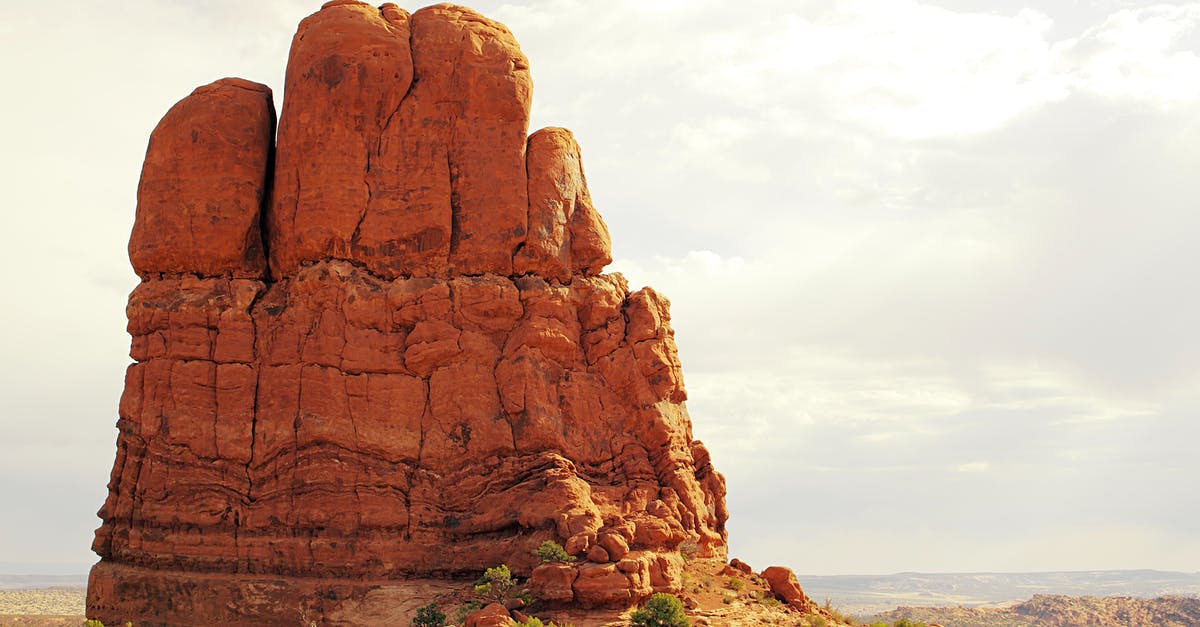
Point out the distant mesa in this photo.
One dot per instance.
(376, 347)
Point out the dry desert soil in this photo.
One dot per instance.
(45, 606)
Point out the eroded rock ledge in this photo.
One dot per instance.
(383, 348)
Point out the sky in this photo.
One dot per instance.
(933, 265)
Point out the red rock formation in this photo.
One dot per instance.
(783, 583)
(402, 143)
(203, 184)
(432, 378)
(493, 615)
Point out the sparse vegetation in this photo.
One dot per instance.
(464, 610)
(735, 584)
(534, 621)
(495, 583)
(552, 552)
(429, 616)
(661, 610)
(837, 614)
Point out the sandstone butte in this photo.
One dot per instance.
(376, 347)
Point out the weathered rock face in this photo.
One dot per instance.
(402, 143)
(203, 184)
(783, 583)
(417, 369)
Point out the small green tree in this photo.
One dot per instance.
(429, 616)
(495, 583)
(662, 610)
(551, 551)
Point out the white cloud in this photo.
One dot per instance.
(919, 258)
(1132, 56)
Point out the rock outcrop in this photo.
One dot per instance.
(382, 348)
(784, 585)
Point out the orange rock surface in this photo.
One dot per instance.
(402, 143)
(783, 583)
(418, 370)
(203, 184)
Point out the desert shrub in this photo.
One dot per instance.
(495, 583)
(91, 622)
(816, 620)
(429, 616)
(837, 614)
(904, 622)
(465, 609)
(735, 584)
(551, 551)
(537, 622)
(662, 610)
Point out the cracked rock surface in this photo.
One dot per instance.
(381, 347)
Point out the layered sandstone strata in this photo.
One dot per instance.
(382, 348)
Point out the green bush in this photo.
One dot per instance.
(495, 583)
(662, 610)
(537, 622)
(429, 616)
(551, 551)
(736, 584)
(465, 609)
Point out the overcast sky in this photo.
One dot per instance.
(933, 265)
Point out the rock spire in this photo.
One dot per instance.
(379, 348)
